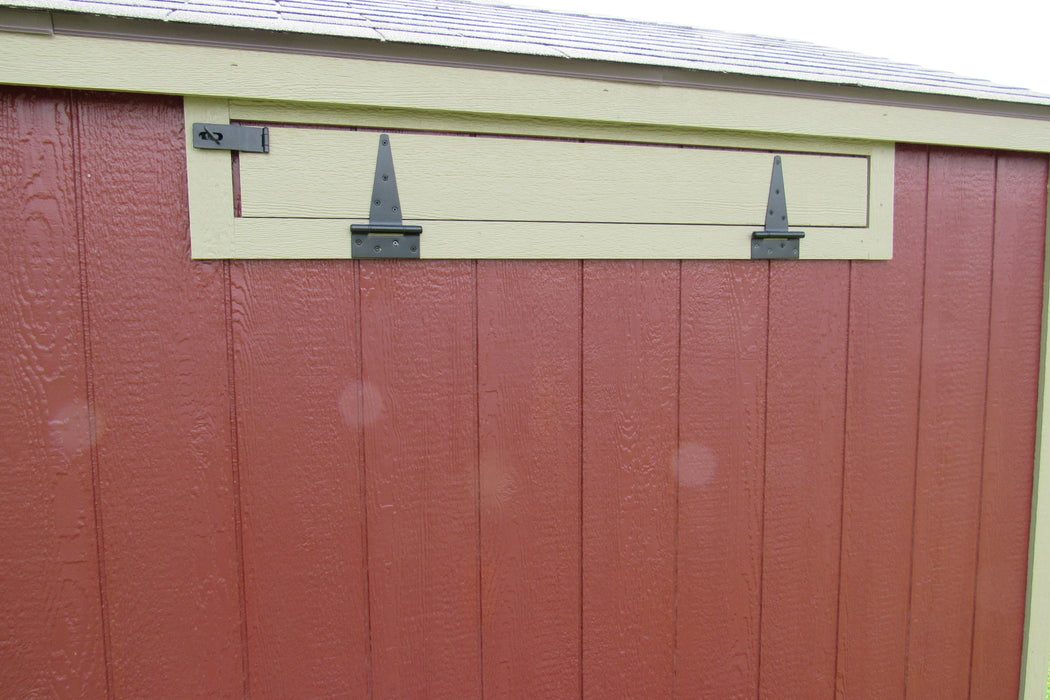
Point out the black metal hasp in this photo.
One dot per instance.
(776, 242)
(232, 137)
(384, 236)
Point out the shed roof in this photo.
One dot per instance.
(467, 25)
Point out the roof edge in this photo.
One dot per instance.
(707, 52)
(161, 31)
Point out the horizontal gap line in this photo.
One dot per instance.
(467, 132)
(549, 221)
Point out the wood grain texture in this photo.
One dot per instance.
(158, 347)
(1010, 420)
(951, 421)
(630, 460)
(529, 451)
(420, 416)
(882, 403)
(462, 407)
(805, 412)
(721, 459)
(298, 390)
(51, 630)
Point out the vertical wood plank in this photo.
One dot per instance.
(885, 343)
(721, 460)
(160, 363)
(51, 639)
(1009, 430)
(298, 396)
(951, 421)
(420, 417)
(630, 436)
(805, 413)
(529, 436)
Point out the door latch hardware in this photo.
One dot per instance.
(232, 137)
(776, 242)
(384, 236)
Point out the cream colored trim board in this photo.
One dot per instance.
(118, 64)
(210, 183)
(1036, 655)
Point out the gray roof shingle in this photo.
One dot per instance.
(461, 24)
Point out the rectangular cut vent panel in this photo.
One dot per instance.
(512, 196)
(328, 173)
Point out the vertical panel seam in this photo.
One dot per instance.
(235, 472)
(765, 467)
(477, 484)
(918, 427)
(582, 269)
(842, 491)
(363, 477)
(984, 420)
(677, 483)
(89, 384)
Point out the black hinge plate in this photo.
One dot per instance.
(776, 242)
(763, 248)
(232, 137)
(384, 236)
(371, 242)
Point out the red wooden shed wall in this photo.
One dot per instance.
(530, 479)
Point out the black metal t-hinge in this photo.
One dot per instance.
(776, 242)
(384, 236)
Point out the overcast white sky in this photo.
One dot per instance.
(1005, 41)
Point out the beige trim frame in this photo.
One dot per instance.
(216, 233)
(209, 184)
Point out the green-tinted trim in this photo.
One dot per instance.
(28, 21)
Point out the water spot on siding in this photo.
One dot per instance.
(697, 465)
(363, 398)
(69, 428)
(497, 485)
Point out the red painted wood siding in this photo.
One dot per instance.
(504, 479)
